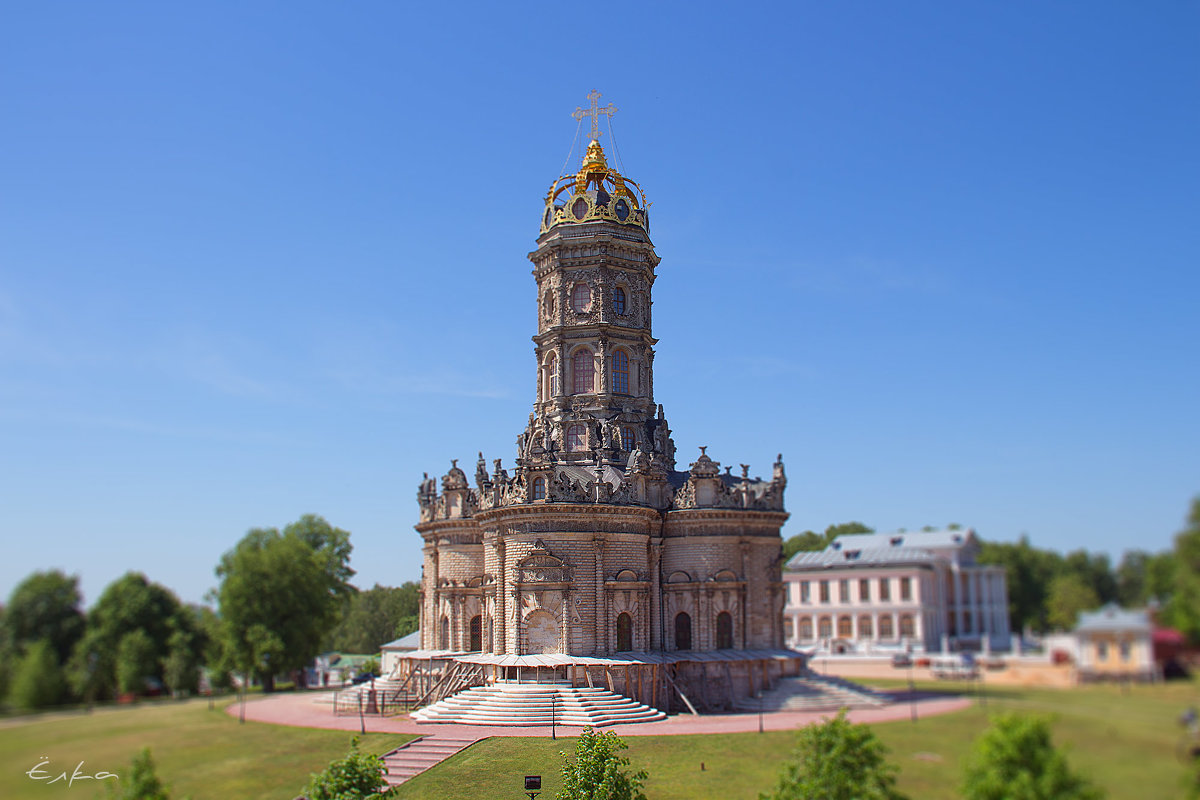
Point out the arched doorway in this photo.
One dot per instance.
(724, 631)
(683, 631)
(476, 634)
(624, 632)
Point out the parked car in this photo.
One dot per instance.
(902, 660)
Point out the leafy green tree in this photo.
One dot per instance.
(135, 661)
(45, 606)
(38, 681)
(358, 776)
(1028, 572)
(280, 595)
(141, 782)
(1069, 594)
(597, 772)
(130, 603)
(1183, 608)
(1096, 571)
(375, 617)
(181, 670)
(837, 760)
(1015, 759)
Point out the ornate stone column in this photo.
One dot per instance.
(656, 622)
(498, 623)
(599, 639)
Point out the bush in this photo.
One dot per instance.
(597, 772)
(38, 681)
(356, 777)
(141, 782)
(1014, 759)
(837, 760)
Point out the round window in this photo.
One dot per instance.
(622, 210)
(579, 208)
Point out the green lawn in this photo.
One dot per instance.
(201, 753)
(1124, 742)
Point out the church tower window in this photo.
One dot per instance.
(628, 439)
(683, 631)
(724, 631)
(550, 378)
(620, 372)
(581, 298)
(576, 437)
(582, 371)
(539, 488)
(548, 304)
(624, 632)
(476, 634)
(619, 301)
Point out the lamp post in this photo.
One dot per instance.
(553, 704)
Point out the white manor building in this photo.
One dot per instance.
(893, 592)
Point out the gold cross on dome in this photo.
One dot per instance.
(594, 112)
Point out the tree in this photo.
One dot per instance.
(45, 606)
(135, 661)
(1183, 608)
(280, 595)
(1096, 572)
(1029, 572)
(1015, 759)
(597, 772)
(130, 603)
(375, 617)
(837, 760)
(358, 776)
(37, 681)
(1069, 594)
(141, 782)
(181, 669)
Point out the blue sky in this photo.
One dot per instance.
(259, 260)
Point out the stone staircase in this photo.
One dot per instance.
(521, 704)
(419, 755)
(814, 692)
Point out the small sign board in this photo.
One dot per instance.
(533, 783)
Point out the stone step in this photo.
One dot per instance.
(413, 758)
(512, 704)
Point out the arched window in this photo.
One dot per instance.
(845, 627)
(583, 370)
(825, 627)
(724, 631)
(576, 437)
(907, 625)
(476, 634)
(444, 634)
(885, 627)
(683, 631)
(628, 439)
(620, 372)
(864, 627)
(805, 628)
(581, 297)
(539, 488)
(624, 632)
(619, 301)
(548, 304)
(550, 377)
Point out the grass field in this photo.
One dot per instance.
(1124, 742)
(201, 753)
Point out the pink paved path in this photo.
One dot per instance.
(315, 710)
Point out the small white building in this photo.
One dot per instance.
(393, 651)
(881, 593)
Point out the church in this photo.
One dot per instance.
(593, 554)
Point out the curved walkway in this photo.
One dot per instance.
(315, 710)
